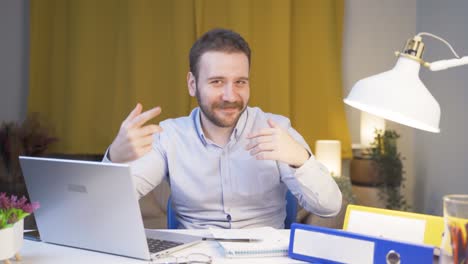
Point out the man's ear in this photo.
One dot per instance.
(191, 84)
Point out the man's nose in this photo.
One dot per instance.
(228, 93)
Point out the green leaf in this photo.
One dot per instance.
(8, 217)
(7, 226)
(21, 215)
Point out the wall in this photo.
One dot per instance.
(441, 159)
(373, 31)
(14, 46)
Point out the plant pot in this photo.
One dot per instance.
(11, 240)
(364, 172)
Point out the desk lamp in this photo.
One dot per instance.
(398, 94)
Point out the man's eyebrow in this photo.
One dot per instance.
(222, 78)
(215, 78)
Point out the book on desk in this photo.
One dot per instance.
(264, 242)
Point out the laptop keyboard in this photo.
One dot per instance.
(156, 245)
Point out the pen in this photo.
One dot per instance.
(245, 240)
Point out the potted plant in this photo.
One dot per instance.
(29, 138)
(387, 162)
(12, 213)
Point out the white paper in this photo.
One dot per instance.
(387, 226)
(273, 242)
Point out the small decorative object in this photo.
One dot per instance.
(12, 213)
(328, 152)
(454, 244)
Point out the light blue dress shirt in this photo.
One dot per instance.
(226, 187)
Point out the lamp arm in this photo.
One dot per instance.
(445, 64)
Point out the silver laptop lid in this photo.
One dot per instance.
(90, 205)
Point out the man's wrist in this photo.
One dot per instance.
(304, 159)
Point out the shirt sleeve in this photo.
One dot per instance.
(149, 170)
(312, 183)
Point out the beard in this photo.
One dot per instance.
(210, 111)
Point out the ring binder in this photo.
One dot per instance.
(326, 245)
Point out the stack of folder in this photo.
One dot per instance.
(371, 235)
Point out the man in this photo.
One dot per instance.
(228, 165)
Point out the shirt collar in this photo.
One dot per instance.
(236, 133)
(197, 118)
(241, 123)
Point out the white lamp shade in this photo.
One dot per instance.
(370, 123)
(398, 95)
(328, 152)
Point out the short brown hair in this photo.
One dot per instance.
(217, 40)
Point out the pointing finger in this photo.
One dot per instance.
(134, 113)
(145, 116)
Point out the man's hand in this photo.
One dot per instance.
(134, 140)
(275, 143)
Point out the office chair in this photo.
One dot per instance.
(291, 212)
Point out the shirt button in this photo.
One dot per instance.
(228, 217)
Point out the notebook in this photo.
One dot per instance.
(273, 242)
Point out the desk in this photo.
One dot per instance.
(42, 253)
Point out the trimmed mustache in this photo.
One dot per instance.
(224, 105)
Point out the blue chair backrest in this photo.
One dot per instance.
(172, 222)
(291, 212)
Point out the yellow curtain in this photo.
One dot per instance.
(92, 61)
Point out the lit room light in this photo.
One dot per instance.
(328, 152)
(369, 124)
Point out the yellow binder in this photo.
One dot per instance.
(427, 229)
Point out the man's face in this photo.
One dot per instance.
(222, 88)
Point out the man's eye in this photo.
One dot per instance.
(216, 82)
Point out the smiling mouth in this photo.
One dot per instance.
(229, 110)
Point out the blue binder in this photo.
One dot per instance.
(325, 245)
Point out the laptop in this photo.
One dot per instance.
(94, 206)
